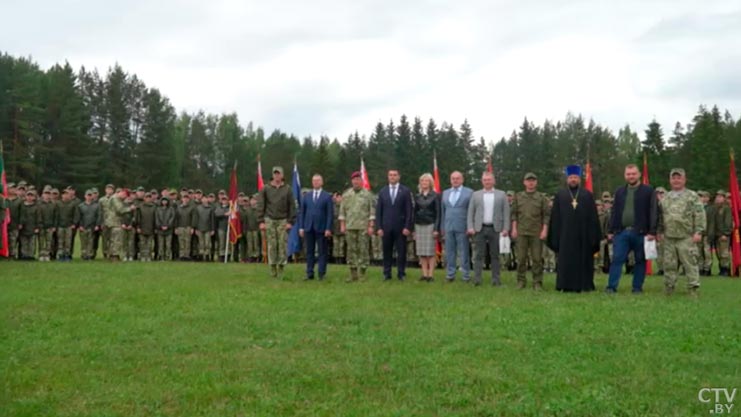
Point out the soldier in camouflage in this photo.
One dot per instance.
(704, 247)
(88, 219)
(49, 213)
(720, 228)
(106, 229)
(338, 238)
(681, 224)
(357, 218)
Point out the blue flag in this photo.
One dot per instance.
(294, 240)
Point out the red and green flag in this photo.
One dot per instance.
(4, 248)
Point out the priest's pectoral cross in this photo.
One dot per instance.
(574, 204)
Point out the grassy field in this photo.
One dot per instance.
(188, 339)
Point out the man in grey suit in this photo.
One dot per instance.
(454, 217)
(488, 218)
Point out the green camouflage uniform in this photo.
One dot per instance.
(338, 238)
(164, 216)
(251, 232)
(682, 217)
(358, 212)
(65, 224)
(276, 208)
(184, 227)
(49, 221)
(720, 226)
(146, 229)
(105, 235)
(30, 223)
(114, 217)
(14, 205)
(87, 218)
(128, 234)
(530, 211)
(205, 225)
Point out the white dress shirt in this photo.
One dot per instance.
(488, 207)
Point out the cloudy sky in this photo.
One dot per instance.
(333, 67)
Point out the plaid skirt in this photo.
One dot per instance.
(425, 242)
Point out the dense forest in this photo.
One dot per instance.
(64, 126)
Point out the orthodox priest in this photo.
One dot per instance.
(574, 234)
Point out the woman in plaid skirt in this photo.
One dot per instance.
(426, 225)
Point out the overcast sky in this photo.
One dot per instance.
(333, 67)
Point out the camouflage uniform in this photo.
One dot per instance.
(114, 217)
(276, 207)
(221, 219)
(14, 206)
(30, 221)
(682, 217)
(338, 238)
(357, 212)
(720, 229)
(530, 211)
(128, 234)
(49, 214)
(704, 247)
(164, 216)
(184, 227)
(205, 225)
(251, 232)
(65, 227)
(105, 234)
(87, 218)
(145, 230)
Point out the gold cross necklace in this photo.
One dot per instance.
(574, 197)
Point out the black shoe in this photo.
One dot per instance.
(609, 290)
(387, 279)
(477, 283)
(637, 291)
(309, 279)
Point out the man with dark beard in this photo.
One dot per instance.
(574, 234)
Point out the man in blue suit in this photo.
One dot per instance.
(454, 213)
(315, 225)
(394, 223)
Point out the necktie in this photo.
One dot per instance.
(393, 194)
(316, 196)
(454, 196)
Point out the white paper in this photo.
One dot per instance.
(649, 249)
(504, 244)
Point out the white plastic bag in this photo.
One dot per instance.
(504, 244)
(649, 249)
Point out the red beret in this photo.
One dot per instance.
(356, 174)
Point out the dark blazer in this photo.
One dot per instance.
(645, 209)
(395, 216)
(317, 216)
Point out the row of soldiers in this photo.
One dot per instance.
(142, 225)
(716, 238)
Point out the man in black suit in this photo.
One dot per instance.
(315, 225)
(394, 223)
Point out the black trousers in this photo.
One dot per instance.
(394, 238)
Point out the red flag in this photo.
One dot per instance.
(588, 178)
(260, 182)
(735, 207)
(4, 249)
(649, 265)
(489, 167)
(364, 175)
(235, 225)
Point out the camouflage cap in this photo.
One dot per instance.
(702, 193)
(153, 191)
(54, 191)
(211, 195)
(606, 194)
(11, 185)
(70, 188)
(222, 192)
(721, 192)
(198, 191)
(140, 189)
(22, 183)
(30, 192)
(241, 194)
(510, 193)
(47, 188)
(660, 190)
(110, 186)
(89, 192)
(530, 176)
(598, 202)
(277, 169)
(94, 190)
(676, 171)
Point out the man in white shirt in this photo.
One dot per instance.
(488, 218)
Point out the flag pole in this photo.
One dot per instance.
(228, 226)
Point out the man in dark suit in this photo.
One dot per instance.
(315, 225)
(394, 223)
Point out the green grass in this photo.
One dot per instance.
(188, 339)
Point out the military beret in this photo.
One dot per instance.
(356, 174)
(531, 176)
(676, 171)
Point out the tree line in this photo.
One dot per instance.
(63, 126)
